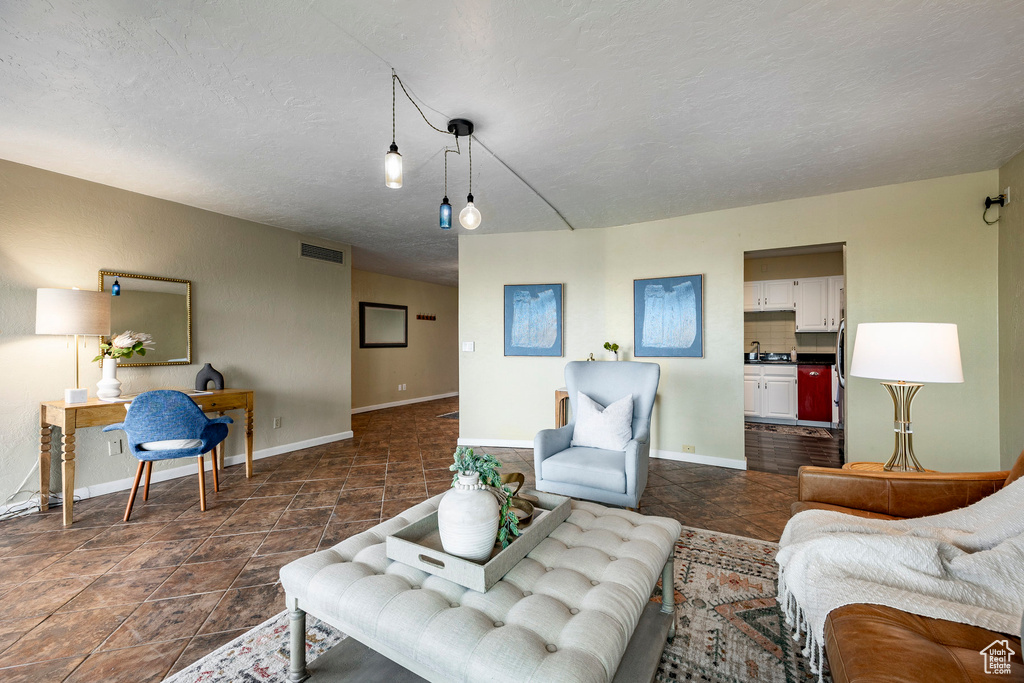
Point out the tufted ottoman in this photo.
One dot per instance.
(565, 612)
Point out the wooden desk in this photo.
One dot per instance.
(97, 413)
(561, 407)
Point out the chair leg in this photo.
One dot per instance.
(149, 472)
(213, 458)
(202, 485)
(135, 488)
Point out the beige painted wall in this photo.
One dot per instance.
(267, 319)
(429, 366)
(1011, 312)
(795, 267)
(915, 251)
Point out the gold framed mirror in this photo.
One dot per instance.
(159, 306)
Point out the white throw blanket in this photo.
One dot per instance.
(965, 566)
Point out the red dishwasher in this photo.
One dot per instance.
(814, 393)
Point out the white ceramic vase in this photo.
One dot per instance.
(110, 386)
(467, 519)
(613, 355)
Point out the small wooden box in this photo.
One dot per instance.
(419, 545)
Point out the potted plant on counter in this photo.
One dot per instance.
(476, 511)
(613, 349)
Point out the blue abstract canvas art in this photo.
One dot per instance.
(533, 320)
(668, 317)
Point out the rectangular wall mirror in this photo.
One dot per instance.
(383, 325)
(159, 306)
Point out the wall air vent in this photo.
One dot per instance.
(321, 253)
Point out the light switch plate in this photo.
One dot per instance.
(469, 346)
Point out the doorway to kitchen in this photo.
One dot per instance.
(794, 327)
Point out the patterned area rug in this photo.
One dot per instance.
(792, 430)
(729, 630)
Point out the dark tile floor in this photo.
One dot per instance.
(786, 453)
(108, 601)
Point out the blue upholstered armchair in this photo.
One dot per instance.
(162, 425)
(606, 476)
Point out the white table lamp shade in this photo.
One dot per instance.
(72, 311)
(908, 352)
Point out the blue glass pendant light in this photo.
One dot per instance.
(446, 214)
(115, 289)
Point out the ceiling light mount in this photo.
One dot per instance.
(460, 128)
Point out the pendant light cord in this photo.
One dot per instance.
(471, 163)
(396, 77)
(393, 77)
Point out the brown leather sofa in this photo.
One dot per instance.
(873, 643)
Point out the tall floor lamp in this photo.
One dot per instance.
(73, 312)
(906, 356)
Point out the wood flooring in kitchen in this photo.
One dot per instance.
(109, 601)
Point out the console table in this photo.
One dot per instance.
(97, 413)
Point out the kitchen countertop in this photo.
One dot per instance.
(801, 359)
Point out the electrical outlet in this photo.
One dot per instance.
(1006, 196)
(404, 388)
(277, 423)
(688, 449)
(114, 447)
(469, 347)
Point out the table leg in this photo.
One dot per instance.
(218, 454)
(668, 594)
(67, 469)
(248, 442)
(44, 465)
(297, 627)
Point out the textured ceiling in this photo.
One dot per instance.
(618, 112)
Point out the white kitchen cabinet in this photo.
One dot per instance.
(752, 391)
(753, 293)
(778, 295)
(812, 304)
(768, 295)
(836, 301)
(769, 391)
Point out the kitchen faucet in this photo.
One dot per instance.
(757, 352)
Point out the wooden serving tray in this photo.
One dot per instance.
(419, 545)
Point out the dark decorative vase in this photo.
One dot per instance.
(207, 375)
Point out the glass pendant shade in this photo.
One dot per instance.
(470, 216)
(446, 214)
(393, 167)
(115, 289)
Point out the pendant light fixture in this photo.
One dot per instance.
(393, 160)
(470, 216)
(446, 213)
(115, 289)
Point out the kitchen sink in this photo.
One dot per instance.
(768, 358)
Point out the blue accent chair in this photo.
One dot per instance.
(605, 476)
(163, 415)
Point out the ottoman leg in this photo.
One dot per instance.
(668, 595)
(297, 628)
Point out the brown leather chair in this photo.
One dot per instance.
(873, 643)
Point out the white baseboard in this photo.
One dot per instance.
(700, 459)
(496, 443)
(190, 469)
(405, 402)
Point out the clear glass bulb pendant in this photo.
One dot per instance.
(470, 216)
(446, 214)
(393, 167)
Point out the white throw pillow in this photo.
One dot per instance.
(610, 428)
